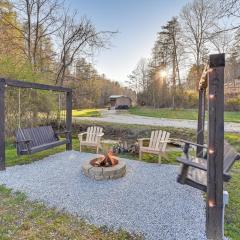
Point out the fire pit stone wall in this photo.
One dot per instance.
(101, 173)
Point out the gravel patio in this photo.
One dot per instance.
(148, 200)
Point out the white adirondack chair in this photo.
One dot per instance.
(157, 144)
(92, 139)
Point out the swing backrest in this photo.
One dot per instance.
(37, 136)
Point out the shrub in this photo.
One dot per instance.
(232, 104)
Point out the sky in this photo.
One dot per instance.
(137, 23)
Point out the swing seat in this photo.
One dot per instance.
(194, 170)
(37, 139)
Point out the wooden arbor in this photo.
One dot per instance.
(217, 162)
(20, 84)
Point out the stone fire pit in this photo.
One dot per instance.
(101, 172)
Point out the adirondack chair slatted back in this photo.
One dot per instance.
(37, 135)
(156, 140)
(93, 133)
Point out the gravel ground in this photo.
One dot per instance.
(147, 200)
(152, 121)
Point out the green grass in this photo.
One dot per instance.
(86, 113)
(190, 114)
(22, 219)
(232, 219)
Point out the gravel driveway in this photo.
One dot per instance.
(151, 121)
(147, 200)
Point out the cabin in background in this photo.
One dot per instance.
(120, 102)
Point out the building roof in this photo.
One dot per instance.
(118, 96)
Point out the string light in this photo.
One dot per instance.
(211, 151)
(211, 96)
(211, 203)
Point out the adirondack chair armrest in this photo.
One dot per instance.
(167, 141)
(174, 139)
(80, 135)
(143, 139)
(140, 141)
(100, 134)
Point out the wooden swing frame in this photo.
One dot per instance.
(218, 161)
(22, 84)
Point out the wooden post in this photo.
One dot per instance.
(201, 121)
(2, 125)
(69, 119)
(214, 208)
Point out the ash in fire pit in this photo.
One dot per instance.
(105, 166)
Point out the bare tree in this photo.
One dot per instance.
(138, 80)
(39, 20)
(77, 40)
(230, 8)
(222, 41)
(198, 19)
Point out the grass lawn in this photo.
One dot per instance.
(21, 219)
(92, 112)
(190, 114)
(232, 217)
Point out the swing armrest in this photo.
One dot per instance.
(187, 145)
(27, 142)
(24, 141)
(66, 132)
(62, 132)
(191, 143)
(192, 164)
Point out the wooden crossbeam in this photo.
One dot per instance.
(23, 84)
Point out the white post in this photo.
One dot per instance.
(225, 202)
